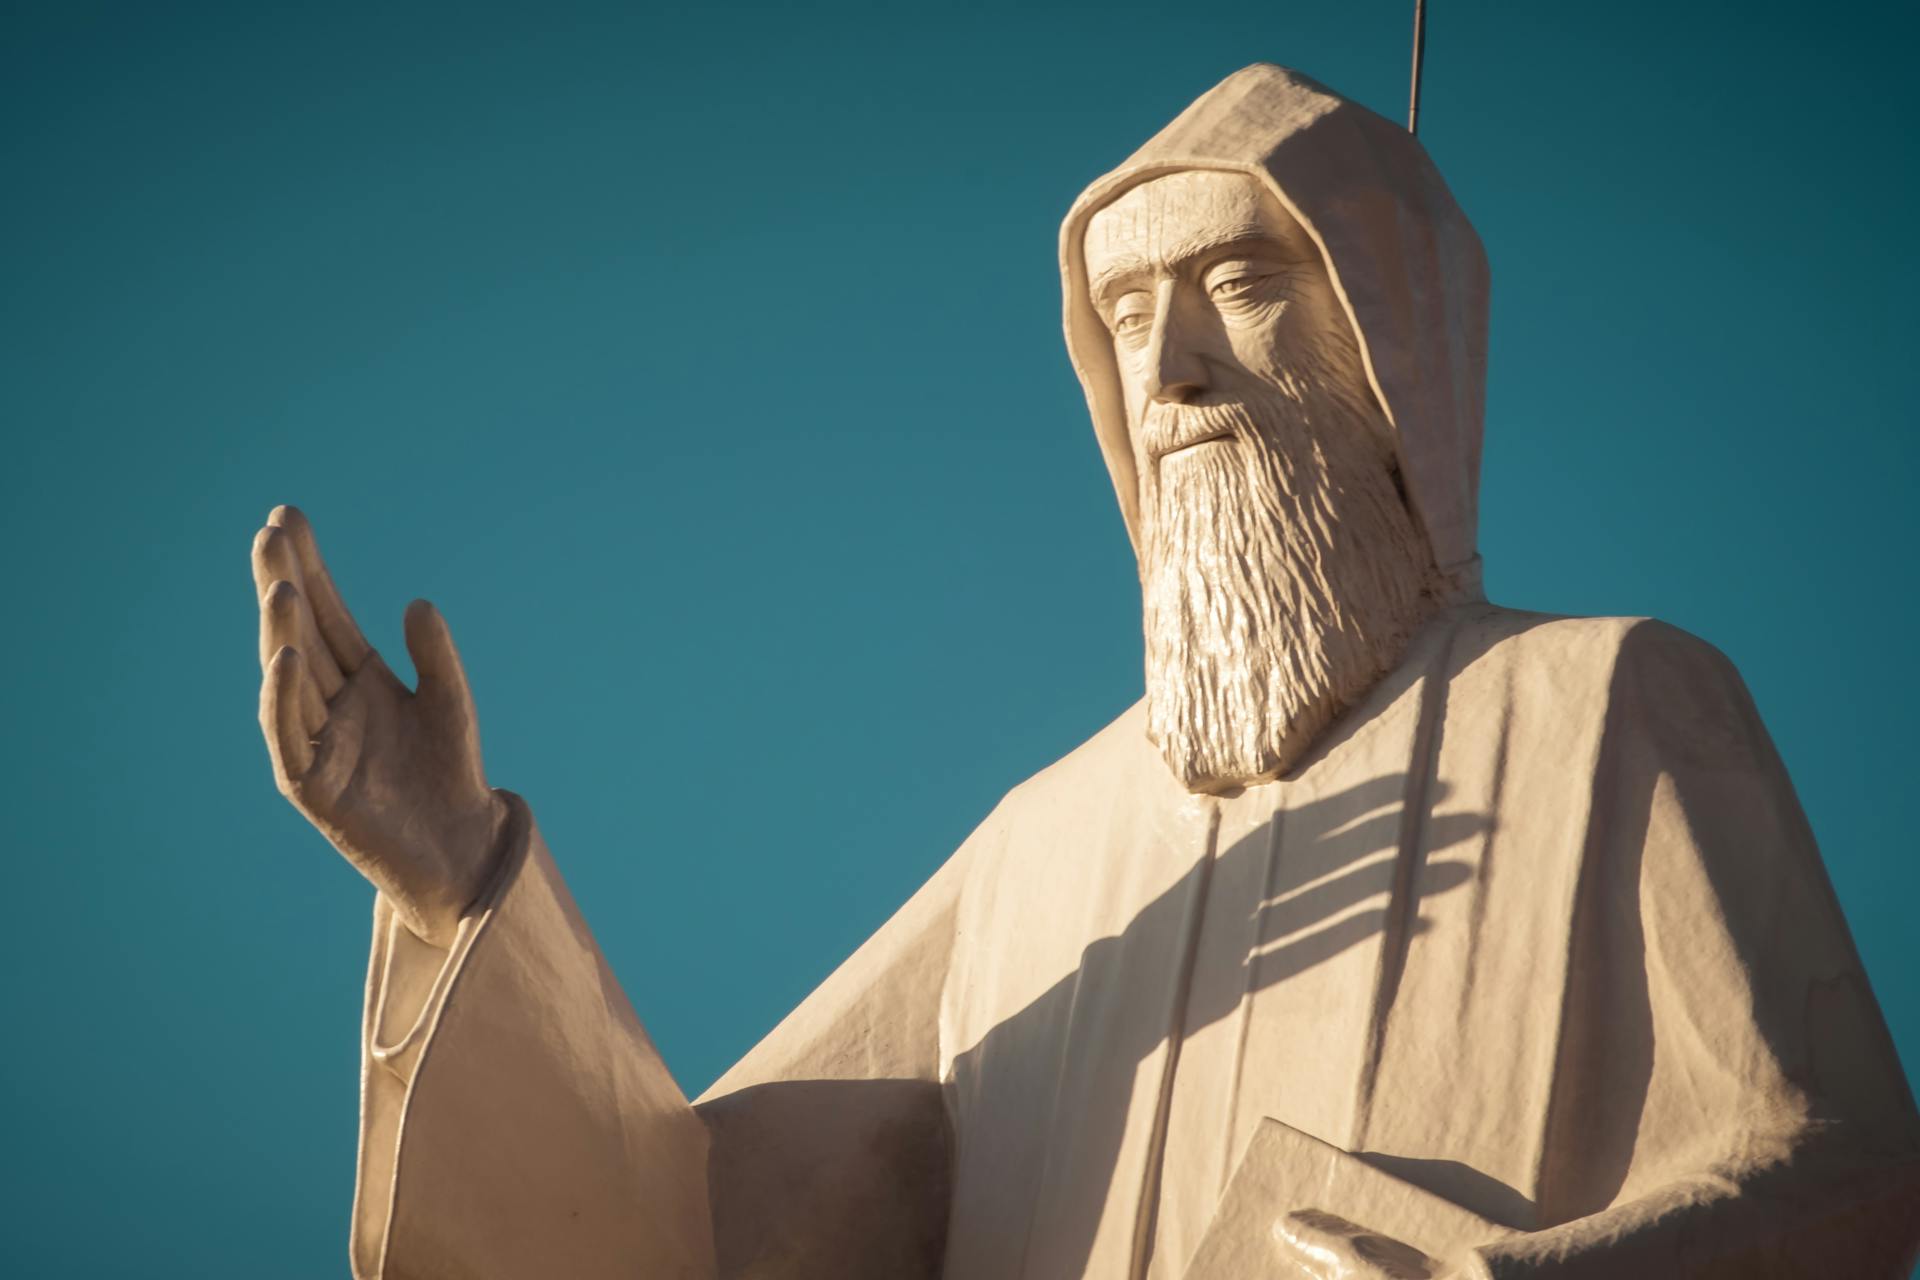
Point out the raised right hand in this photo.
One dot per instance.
(391, 776)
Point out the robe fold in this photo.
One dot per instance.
(1538, 928)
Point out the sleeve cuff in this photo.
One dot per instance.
(410, 977)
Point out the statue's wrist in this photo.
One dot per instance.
(459, 871)
(482, 858)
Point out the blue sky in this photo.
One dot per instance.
(704, 367)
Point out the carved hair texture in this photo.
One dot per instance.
(1282, 572)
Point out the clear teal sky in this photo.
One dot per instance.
(704, 366)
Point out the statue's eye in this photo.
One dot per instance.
(1233, 288)
(1242, 281)
(1133, 317)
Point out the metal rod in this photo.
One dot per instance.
(1419, 53)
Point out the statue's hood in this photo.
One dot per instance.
(1405, 264)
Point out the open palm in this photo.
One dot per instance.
(391, 776)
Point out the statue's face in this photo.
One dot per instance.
(1210, 289)
(1281, 571)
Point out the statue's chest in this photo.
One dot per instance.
(1140, 983)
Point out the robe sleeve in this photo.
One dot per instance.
(517, 1121)
(831, 1139)
(1727, 1101)
(515, 1118)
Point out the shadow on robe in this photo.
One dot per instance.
(839, 1156)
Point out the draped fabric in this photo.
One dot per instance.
(1539, 929)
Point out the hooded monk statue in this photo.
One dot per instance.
(1391, 934)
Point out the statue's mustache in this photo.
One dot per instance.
(1169, 428)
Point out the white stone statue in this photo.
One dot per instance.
(1392, 934)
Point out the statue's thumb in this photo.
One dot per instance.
(435, 660)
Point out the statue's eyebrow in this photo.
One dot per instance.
(1248, 236)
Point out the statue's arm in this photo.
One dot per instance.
(1728, 1100)
(515, 1117)
(831, 1151)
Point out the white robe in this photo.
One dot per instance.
(1539, 928)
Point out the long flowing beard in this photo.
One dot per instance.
(1282, 574)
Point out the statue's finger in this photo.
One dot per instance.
(430, 645)
(281, 719)
(1311, 1243)
(342, 634)
(274, 560)
(286, 621)
(336, 755)
(313, 706)
(444, 693)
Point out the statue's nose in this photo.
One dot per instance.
(1175, 373)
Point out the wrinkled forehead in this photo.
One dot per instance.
(1177, 215)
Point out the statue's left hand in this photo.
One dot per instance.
(390, 775)
(1323, 1246)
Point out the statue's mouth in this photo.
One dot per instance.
(1187, 446)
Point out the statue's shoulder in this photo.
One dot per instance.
(1119, 755)
(1599, 653)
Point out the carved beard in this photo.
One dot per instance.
(1282, 574)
